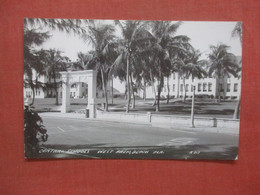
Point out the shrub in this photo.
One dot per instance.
(34, 132)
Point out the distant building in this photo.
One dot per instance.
(40, 92)
(226, 87)
(77, 90)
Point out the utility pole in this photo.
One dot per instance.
(192, 107)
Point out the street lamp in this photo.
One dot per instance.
(192, 107)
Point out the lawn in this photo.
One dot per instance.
(203, 107)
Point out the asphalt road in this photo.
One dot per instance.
(86, 138)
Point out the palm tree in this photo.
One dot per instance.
(33, 66)
(64, 25)
(222, 63)
(146, 61)
(132, 32)
(54, 63)
(33, 37)
(164, 46)
(237, 32)
(101, 37)
(190, 65)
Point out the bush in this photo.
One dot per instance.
(34, 132)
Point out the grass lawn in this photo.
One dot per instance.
(203, 107)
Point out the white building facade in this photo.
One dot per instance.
(227, 87)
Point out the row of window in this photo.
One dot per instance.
(235, 87)
(37, 92)
(188, 77)
(201, 87)
(205, 87)
(75, 85)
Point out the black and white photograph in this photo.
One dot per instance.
(131, 89)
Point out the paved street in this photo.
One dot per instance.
(81, 138)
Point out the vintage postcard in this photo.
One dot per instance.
(125, 89)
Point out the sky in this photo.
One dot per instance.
(202, 35)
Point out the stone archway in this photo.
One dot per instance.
(85, 76)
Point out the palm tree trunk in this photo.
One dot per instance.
(219, 97)
(55, 89)
(33, 91)
(144, 95)
(131, 80)
(184, 90)
(34, 86)
(178, 87)
(112, 91)
(158, 99)
(128, 84)
(168, 90)
(104, 88)
(125, 91)
(219, 90)
(154, 88)
(237, 109)
(159, 92)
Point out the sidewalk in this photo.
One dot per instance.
(83, 117)
(159, 125)
(63, 115)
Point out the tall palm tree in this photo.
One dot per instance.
(54, 63)
(222, 63)
(33, 66)
(132, 32)
(190, 65)
(33, 37)
(101, 37)
(237, 32)
(146, 62)
(164, 45)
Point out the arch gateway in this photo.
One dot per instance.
(71, 77)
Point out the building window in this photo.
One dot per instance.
(191, 88)
(82, 84)
(173, 87)
(235, 87)
(173, 76)
(228, 87)
(199, 87)
(204, 87)
(187, 87)
(181, 89)
(209, 86)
